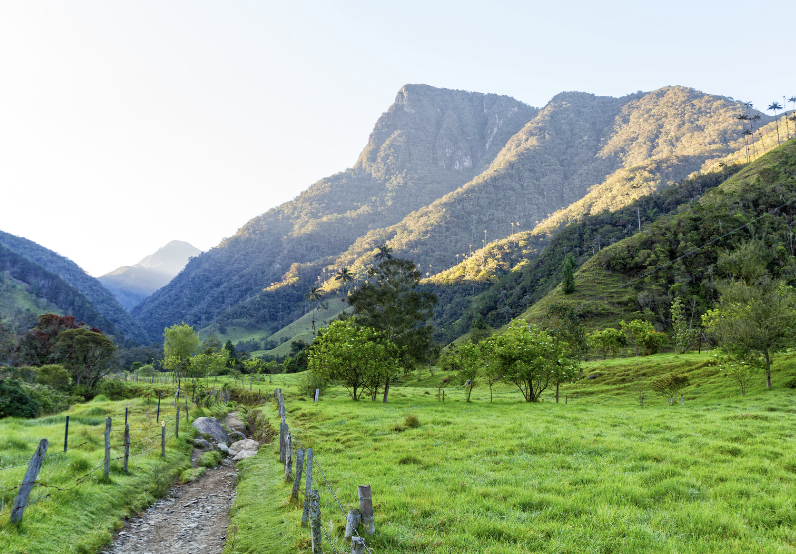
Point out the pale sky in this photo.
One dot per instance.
(125, 125)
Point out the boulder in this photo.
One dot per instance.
(223, 448)
(244, 454)
(246, 444)
(201, 443)
(235, 424)
(235, 436)
(211, 426)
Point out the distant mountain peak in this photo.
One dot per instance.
(171, 258)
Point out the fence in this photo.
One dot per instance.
(142, 438)
(312, 511)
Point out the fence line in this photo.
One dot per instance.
(316, 463)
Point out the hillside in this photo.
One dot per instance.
(92, 297)
(439, 179)
(677, 254)
(131, 284)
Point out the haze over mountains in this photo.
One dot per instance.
(131, 284)
(446, 172)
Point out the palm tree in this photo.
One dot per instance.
(746, 133)
(345, 276)
(384, 252)
(754, 118)
(774, 107)
(314, 296)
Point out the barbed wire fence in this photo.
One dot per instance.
(352, 518)
(41, 456)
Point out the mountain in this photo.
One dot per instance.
(677, 255)
(71, 288)
(131, 284)
(445, 171)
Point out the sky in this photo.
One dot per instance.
(125, 125)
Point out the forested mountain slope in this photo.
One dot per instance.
(676, 256)
(46, 285)
(430, 142)
(100, 300)
(445, 173)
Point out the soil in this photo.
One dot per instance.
(192, 518)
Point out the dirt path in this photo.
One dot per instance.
(192, 518)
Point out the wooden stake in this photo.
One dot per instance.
(283, 431)
(315, 517)
(126, 445)
(288, 458)
(66, 433)
(158, 416)
(366, 509)
(107, 466)
(351, 523)
(177, 427)
(28, 481)
(357, 545)
(299, 468)
(305, 515)
(162, 439)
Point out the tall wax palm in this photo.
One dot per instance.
(743, 118)
(345, 276)
(384, 252)
(775, 107)
(314, 296)
(754, 118)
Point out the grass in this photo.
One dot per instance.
(83, 518)
(598, 474)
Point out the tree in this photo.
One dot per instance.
(568, 270)
(344, 276)
(205, 365)
(358, 357)
(669, 386)
(54, 376)
(755, 318)
(775, 107)
(479, 330)
(180, 343)
(466, 360)
(739, 368)
(608, 341)
(85, 354)
(393, 304)
(531, 359)
(683, 334)
(314, 295)
(383, 253)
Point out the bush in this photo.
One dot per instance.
(115, 390)
(210, 459)
(15, 402)
(54, 376)
(50, 400)
(310, 383)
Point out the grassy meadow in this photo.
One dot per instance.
(597, 474)
(83, 518)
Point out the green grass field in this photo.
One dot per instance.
(598, 474)
(83, 518)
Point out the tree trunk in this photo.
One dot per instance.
(386, 389)
(556, 393)
(768, 371)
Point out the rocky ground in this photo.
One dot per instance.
(192, 518)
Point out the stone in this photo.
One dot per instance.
(246, 444)
(223, 448)
(212, 427)
(235, 436)
(235, 424)
(244, 454)
(201, 443)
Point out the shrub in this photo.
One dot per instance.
(411, 421)
(310, 383)
(50, 400)
(115, 390)
(54, 376)
(210, 459)
(15, 402)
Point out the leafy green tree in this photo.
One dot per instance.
(55, 376)
(205, 365)
(684, 336)
(532, 359)
(479, 330)
(608, 341)
(669, 386)
(568, 270)
(641, 334)
(358, 357)
(740, 368)
(211, 344)
(466, 360)
(231, 353)
(754, 319)
(85, 354)
(15, 402)
(392, 303)
(180, 343)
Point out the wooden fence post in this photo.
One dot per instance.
(299, 468)
(126, 445)
(288, 458)
(27, 482)
(283, 431)
(186, 409)
(162, 439)
(317, 394)
(125, 415)
(259, 396)
(305, 515)
(358, 545)
(107, 467)
(157, 419)
(351, 523)
(315, 519)
(366, 509)
(177, 427)
(66, 433)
